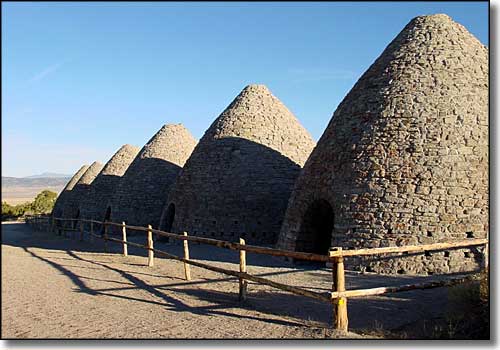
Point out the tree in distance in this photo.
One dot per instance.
(42, 204)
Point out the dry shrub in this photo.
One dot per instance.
(468, 315)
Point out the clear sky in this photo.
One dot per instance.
(81, 79)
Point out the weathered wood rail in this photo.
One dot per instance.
(337, 297)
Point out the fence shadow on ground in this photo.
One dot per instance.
(299, 310)
(197, 251)
(219, 307)
(387, 310)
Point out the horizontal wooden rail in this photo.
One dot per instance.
(319, 296)
(67, 229)
(223, 244)
(337, 297)
(356, 293)
(302, 255)
(247, 248)
(95, 235)
(128, 242)
(411, 248)
(69, 219)
(326, 297)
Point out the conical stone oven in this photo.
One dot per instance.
(141, 193)
(238, 180)
(404, 159)
(103, 187)
(57, 211)
(80, 191)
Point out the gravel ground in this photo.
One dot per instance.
(58, 287)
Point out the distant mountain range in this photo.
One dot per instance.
(16, 190)
(47, 175)
(34, 181)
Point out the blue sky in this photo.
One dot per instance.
(81, 79)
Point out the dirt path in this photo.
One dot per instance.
(55, 287)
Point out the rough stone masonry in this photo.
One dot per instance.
(81, 189)
(102, 189)
(238, 180)
(142, 190)
(404, 159)
(61, 199)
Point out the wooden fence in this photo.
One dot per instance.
(338, 296)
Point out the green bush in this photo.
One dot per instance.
(42, 204)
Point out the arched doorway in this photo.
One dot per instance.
(77, 216)
(316, 230)
(57, 214)
(167, 221)
(107, 217)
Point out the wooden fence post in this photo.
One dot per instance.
(243, 268)
(486, 252)
(187, 268)
(91, 232)
(151, 254)
(81, 230)
(105, 236)
(340, 304)
(124, 238)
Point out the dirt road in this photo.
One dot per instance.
(55, 287)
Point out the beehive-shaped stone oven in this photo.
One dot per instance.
(404, 159)
(238, 180)
(79, 192)
(57, 211)
(142, 191)
(103, 187)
